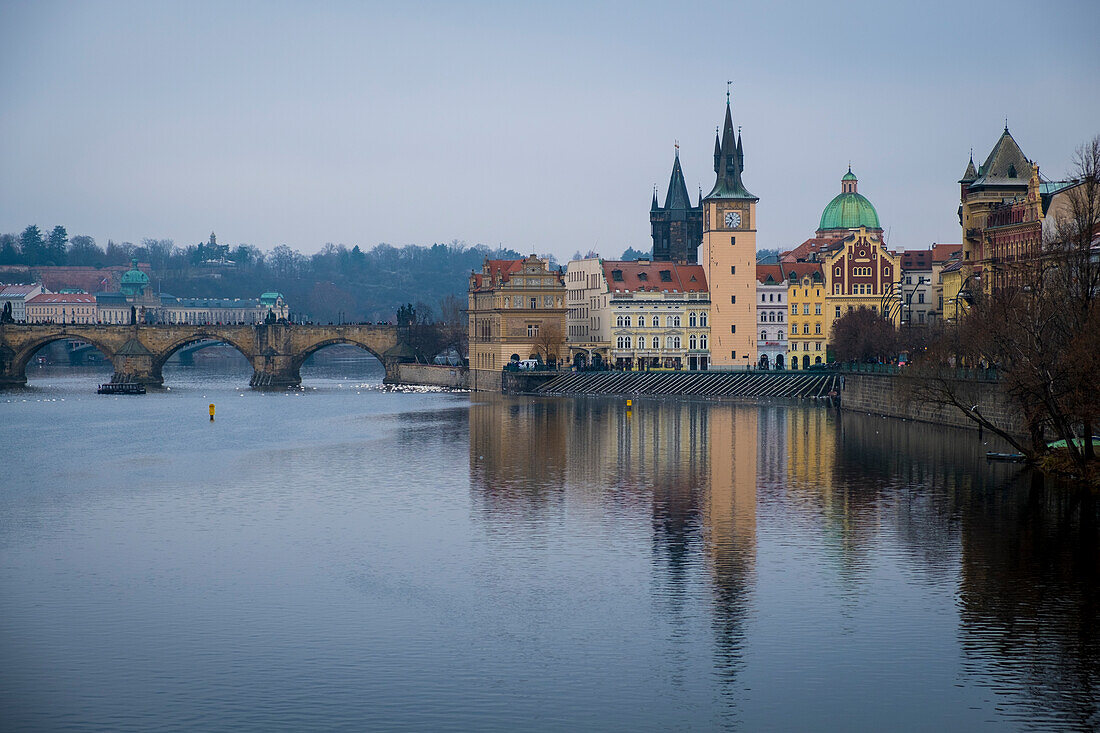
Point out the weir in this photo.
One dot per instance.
(695, 384)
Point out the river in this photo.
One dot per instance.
(351, 558)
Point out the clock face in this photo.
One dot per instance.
(733, 219)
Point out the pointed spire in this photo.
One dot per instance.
(717, 149)
(677, 196)
(971, 172)
(740, 152)
(729, 160)
(654, 206)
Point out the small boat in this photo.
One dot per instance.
(121, 388)
(1010, 457)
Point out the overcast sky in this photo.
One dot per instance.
(539, 126)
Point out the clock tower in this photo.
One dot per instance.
(729, 254)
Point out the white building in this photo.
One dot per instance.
(18, 295)
(771, 316)
(638, 314)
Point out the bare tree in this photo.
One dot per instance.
(548, 343)
(454, 326)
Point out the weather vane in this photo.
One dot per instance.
(728, 85)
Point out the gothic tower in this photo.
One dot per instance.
(729, 254)
(677, 226)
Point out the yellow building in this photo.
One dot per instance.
(516, 311)
(807, 320)
(729, 255)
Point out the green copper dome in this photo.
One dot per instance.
(134, 281)
(850, 209)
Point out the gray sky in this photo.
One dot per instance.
(539, 126)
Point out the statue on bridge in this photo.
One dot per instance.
(5, 315)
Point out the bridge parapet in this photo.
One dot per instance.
(138, 352)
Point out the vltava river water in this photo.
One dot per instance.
(349, 558)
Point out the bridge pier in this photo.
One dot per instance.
(274, 371)
(133, 362)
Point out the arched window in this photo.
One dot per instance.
(676, 322)
(656, 342)
(763, 318)
(703, 322)
(656, 321)
(676, 343)
(691, 319)
(668, 321)
(763, 335)
(693, 343)
(626, 342)
(703, 341)
(817, 328)
(805, 328)
(619, 321)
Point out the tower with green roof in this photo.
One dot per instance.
(134, 281)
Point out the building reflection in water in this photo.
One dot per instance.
(1020, 560)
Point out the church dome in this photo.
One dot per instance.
(134, 281)
(849, 209)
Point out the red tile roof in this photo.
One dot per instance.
(500, 271)
(803, 268)
(58, 298)
(776, 272)
(943, 252)
(916, 259)
(654, 276)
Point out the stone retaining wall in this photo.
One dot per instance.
(434, 375)
(885, 394)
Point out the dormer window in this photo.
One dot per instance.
(617, 275)
(643, 276)
(666, 276)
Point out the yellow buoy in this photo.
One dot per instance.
(629, 403)
(211, 412)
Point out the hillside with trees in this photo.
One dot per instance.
(337, 283)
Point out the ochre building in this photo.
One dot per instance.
(517, 311)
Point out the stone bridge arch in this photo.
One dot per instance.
(18, 348)
(196, 334)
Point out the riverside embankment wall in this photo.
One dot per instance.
(433, 375)
(889, 394)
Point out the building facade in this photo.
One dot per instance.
(1003, 205)
(729, 254)
(918, 306)
(677, 227)
(771, 309)
(809, 334)
(517, 311)
(658, 315)
(18, 295)
(62, 308)
(588, 330)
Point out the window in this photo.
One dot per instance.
(703, 341)
(666, 276)
(676, 321)
(837, 272)
(619, 321)
(733, 354)
(733, 328)
(733, 240)
(693, 342)
(691, 320)
(534, 303)
(532, 330)
(817, 346)
(626, 341)
(702, 320)
(763, 298)
(617, 276)
(643, 276)
(619, 342)
(920, 297)
(794, 309)
(771, 297)
(656, 321)
(733, 299)
(806, 328)
(837, 312)
(656, 342)
(836, 289)
(733, 269)
(805, 309)
(817, 309)
(763, 335)
(676, 342)
(763, 317)
(817, 328)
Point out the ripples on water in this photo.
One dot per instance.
(348, 558)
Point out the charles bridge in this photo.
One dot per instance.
(138, 352)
